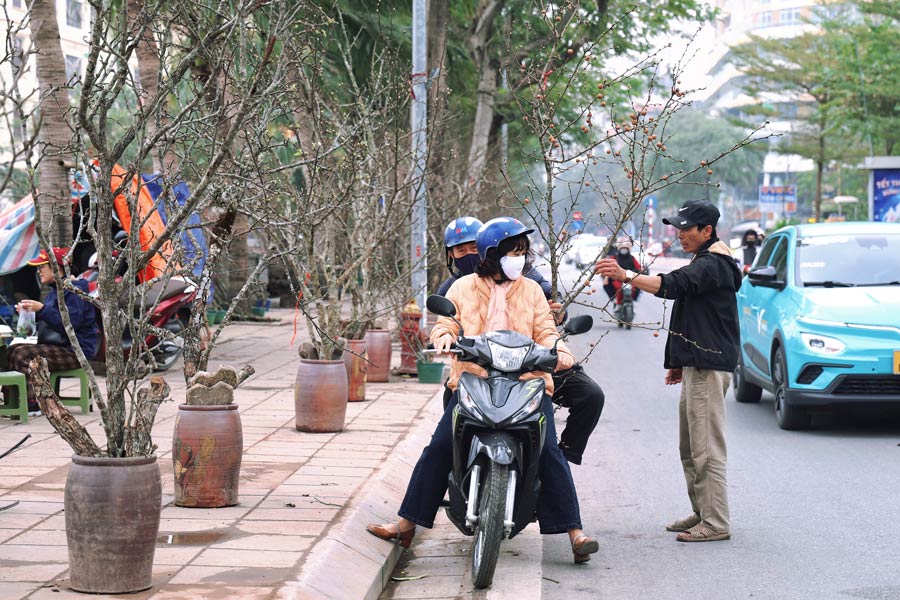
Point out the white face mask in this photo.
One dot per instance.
(512, 266)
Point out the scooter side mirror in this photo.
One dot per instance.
(579, 324)
(441, 306)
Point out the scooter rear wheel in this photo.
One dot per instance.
(489, 531)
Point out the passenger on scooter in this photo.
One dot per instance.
(497, 297)
(575, 390)
(52, 342)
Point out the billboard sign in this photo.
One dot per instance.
(886, 195)
(778, 199)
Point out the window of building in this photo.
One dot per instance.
(73, 13)
(73, 69)
(17, 3)
(765, 19)
(790, 16)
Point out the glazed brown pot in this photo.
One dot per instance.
(112, 510)
(320, 396)
(207, 447)
(356, 363)
(378, 348)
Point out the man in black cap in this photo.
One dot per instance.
(701, 354)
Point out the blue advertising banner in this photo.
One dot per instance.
(886, 195)
(778, 198)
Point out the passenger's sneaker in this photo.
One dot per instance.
(685, 523)
(34, 409)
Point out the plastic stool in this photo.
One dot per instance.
(16, 379)
(84, 399)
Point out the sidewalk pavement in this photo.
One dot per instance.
(298, 530)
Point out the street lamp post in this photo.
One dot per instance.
(418, 124)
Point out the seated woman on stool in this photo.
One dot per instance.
(53, 343)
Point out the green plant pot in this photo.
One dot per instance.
(215, 317)
(258, 311)
(430, 372)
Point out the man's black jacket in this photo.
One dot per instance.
(703, 331)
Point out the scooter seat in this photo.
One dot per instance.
(165, 289)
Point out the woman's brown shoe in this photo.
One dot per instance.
(582, 548)
(391, 533)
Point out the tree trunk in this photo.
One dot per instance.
(147, 52)
(55, 135)
(820, 168)
(438, 20)
(479, 38)
(240, 261)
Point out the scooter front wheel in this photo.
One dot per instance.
(489, 531)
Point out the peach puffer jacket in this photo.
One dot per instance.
(529, 314)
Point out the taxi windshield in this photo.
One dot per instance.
(848, 260)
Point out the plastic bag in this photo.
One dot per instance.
(26, 325)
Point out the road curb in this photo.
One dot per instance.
(349, 562)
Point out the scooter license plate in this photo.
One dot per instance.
(896, 362)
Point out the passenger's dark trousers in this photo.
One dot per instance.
(558, 504)
(584, 399)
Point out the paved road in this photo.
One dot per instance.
(814, 514)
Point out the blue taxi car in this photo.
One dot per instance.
(819, 315)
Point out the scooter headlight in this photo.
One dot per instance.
(507, 359)
(466, 402)
(535, 390)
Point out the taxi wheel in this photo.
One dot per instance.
(744, 391)
(788, 416)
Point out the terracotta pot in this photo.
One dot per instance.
(378, 348)
(356, 363)
(112, 508)
(207, 447)
(320, 396)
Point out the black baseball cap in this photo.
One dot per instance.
(693, 213)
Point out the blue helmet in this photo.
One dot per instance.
(461, 231)
(495, 231)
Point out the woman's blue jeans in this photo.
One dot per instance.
(557, 509)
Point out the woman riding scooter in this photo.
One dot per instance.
(575, 390)
(496, 297)
(614, 289)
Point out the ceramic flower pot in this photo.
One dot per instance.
(320, 396)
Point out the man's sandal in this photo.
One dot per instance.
(702, 533)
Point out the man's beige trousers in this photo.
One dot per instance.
(701, 420)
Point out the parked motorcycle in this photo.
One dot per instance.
(498, 435)
(169, 303)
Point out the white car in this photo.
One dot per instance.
(587, 251)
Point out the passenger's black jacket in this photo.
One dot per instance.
(703, 330)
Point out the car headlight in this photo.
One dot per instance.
(822, 344)
(507, 359)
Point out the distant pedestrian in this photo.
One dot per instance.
(747, 253)
(701, 354)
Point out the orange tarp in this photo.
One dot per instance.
(151, 223)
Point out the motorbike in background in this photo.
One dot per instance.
(498, 435)
(624, 311)
(168, 307)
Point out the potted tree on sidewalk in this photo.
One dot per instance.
(113, 493)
